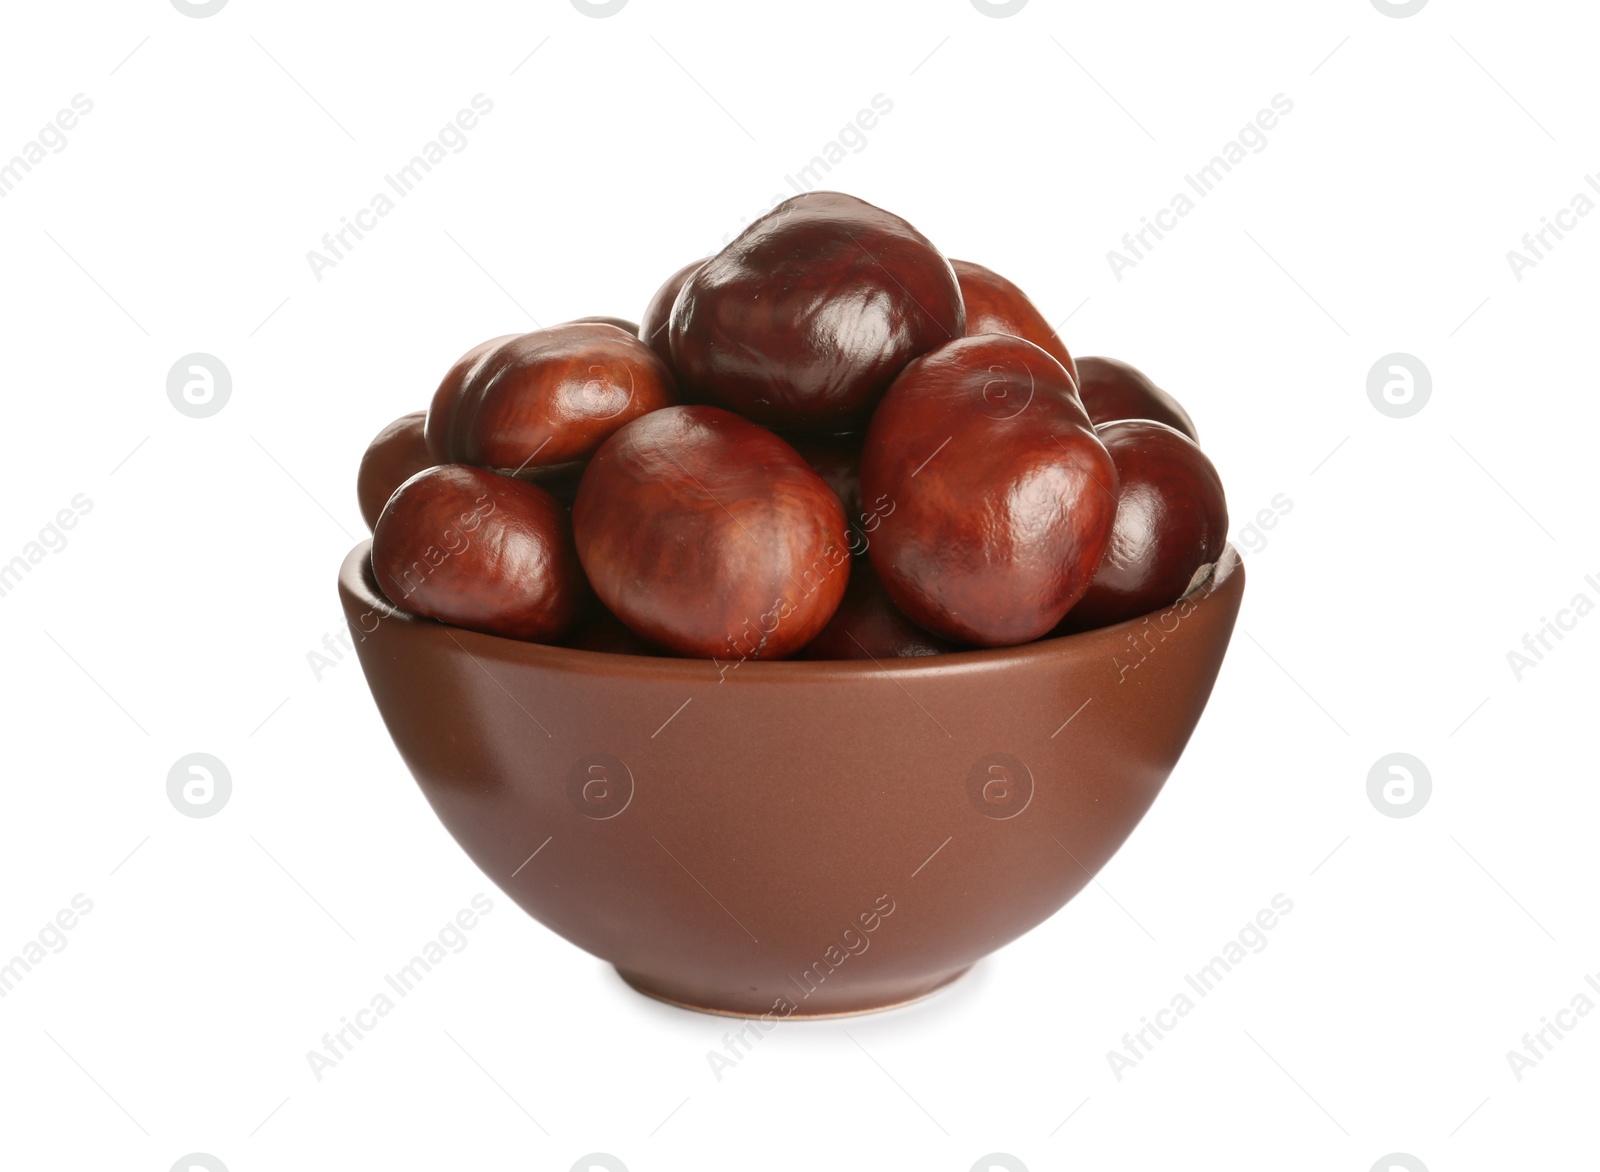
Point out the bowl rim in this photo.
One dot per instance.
(357, 582)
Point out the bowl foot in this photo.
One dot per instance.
(756, 1004)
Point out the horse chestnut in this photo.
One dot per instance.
(1002, 496)
(441, 409)
(482, 551)
(1172, 518)
(996, 306)
(802, 322)
(1113, 390)
(398, 453)
(540, 400)
(657, 314)
(868, 625)
(710, 536)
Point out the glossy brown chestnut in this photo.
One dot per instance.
(806, 317)
(442, 408)
(710, 536)
(997, 306)
(397, 454)
(1172, 518)
(1002, 495)
(657, 314)
(868, 625)
(482, 551)
(1113, 390)
(547, 398)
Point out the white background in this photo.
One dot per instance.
(1380, 610)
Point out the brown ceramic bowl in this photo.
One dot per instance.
(792, 838)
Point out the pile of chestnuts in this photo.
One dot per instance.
(827, 441)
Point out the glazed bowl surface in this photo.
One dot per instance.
(792, 838)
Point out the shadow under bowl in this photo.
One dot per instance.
(792, 838)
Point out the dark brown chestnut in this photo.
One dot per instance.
(997, 306)
(657, 314)
(868, 625)
(1002, 496)
(710, 536)
(1172, 519)
(806, 317)
(482, 551)
(442, 408)
(397, 454)
(548, 398)
(1113, 390)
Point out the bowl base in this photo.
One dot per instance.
(891, 1000)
